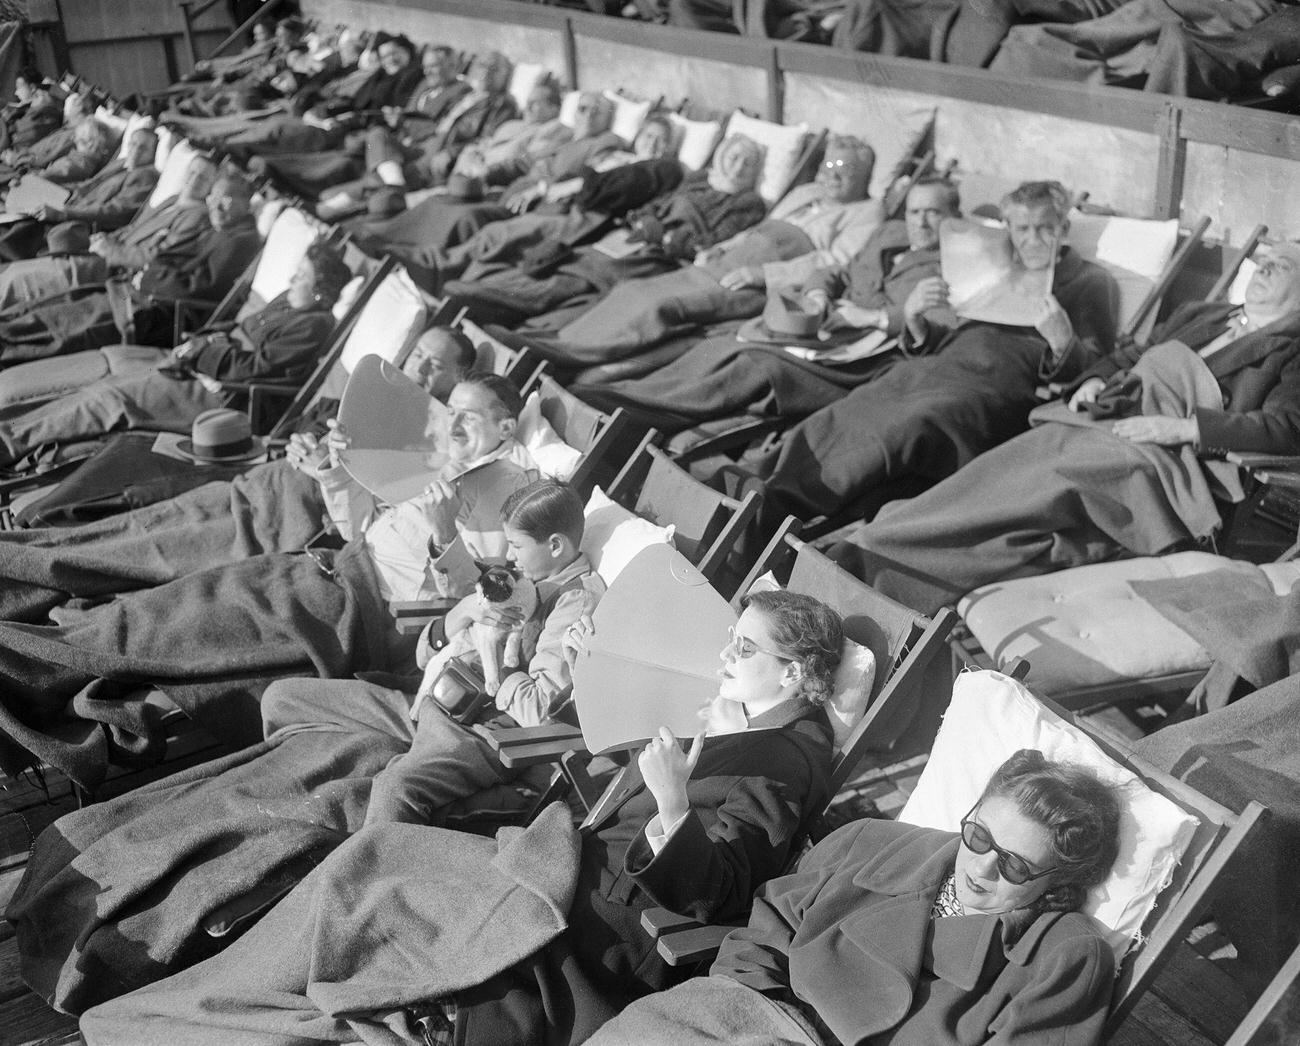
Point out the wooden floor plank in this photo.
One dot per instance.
(28, 1019)
(11, 985)
(1202, 993)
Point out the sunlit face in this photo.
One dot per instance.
(843, 175)
(87, 137)
(535, 559)
(1036, 234)
(760, 680)
(302, 286)
(393, 57)
(227, 203)
(489, 74)
(477, 427)
(434, 364)
(140, 151)
(438, 66)
(980, 888)
(927, 206)
(541, 106)
(199, 178)
(1275, 284)
(592, 116)
(652, 141)
(23, 90)
(260, 33)
(736, 166)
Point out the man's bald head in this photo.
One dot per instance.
(1274, 288)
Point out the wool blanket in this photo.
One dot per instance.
(398, 916)
(212, 641)
(705, 1011)
(271, 508)
(1249, 750)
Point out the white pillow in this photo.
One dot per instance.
(291, 235)
(783, 145)
(553, 456)
(1237, 290)
(992, 716)
(167, 139)
(851, 690)
(173, 172)
(524, 77)
(1134, 250)
(695, 140)
(394, 316)
(346, 297)
(629, 115)
(569, 108)
(133, 123)
(612, 535)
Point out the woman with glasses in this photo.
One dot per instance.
(696, 829)
(919, 936)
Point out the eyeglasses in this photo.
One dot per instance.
(1012, 867)
(834, 165)
(745, 648)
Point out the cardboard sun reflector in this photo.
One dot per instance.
(652, 659)
(398, 432)
(985, 279)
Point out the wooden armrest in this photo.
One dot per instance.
(659, 921)
(523, 756)
(692, 946)
(426, 607)
(508, 737)
(1248, 460)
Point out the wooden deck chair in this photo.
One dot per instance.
(1175, 845)
(522, 365)
(1274, 1018)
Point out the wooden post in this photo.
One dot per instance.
(1171, 164)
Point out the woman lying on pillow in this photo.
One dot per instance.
(920, 936)
(694, 832)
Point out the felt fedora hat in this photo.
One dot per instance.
(67, 238)
(221, 436)
(785, 321)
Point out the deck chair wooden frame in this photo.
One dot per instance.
(1273, 1019)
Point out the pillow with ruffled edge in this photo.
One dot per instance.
(991, 717)
(695, 140)
(783, 145)
(629, 115)
(553, 456)
(612, 535)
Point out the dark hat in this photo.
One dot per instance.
(221, 435)
(67, 238)
(785, 315)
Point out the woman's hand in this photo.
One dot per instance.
(666, 769)
(1086, 393)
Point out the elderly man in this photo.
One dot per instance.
(818, 225)
(214, 639)
(172, 226)
(925, 418)
(879, 290)
(707, 208)
(1133, 462)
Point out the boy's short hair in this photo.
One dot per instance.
(543, 508)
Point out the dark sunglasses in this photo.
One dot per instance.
(1012, 867)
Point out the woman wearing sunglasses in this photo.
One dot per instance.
(919, 937)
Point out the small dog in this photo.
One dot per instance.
(500, 586)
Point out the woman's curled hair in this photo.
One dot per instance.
(807, 631)
(1079, 811)
(331, 273)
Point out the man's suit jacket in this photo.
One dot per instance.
(1259, 374)
(208, 267)
(850, 935)
(171, 226)
(114, 196)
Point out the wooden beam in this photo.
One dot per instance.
(1171, 164)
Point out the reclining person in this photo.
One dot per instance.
(925, 418)
(32, 115)
(200, 269)
(54, 146)
(881, 288)
(242, 85)
(920, 935)
(707, 208)
(105, 202)
(213, 640)
(1085, 487)
(814, 226)
(155, 390)
(696, 832)
(442, 221)
(274, 507)
(172, 226)
(92, 145)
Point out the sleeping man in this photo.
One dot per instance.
(1132, 462)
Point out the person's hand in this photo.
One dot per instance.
(442, 507)
(855, 317)
(574, 640)
(1086, 393)
(707, 255)
(186, 348)
(816, 300)
(49, 213)
(522, 200)
(1154, 428)
(745, 276)
(337, 441)
(392, 114)
(1054, 325)
(666, 769)
(930, 293)
(100, 244)
(305, 452)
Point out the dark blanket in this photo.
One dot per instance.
(212, 641)
(272, 508)
(1247, 751)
